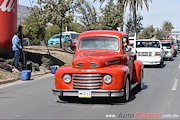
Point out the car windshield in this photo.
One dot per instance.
(74, 36)
(99, 43)
(167, 45)
(153, 44)
(58, 36)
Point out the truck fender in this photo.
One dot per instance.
(138, 71)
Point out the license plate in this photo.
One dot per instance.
(84, 94)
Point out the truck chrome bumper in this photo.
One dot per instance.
(93, 93)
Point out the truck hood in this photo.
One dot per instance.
(96, 59)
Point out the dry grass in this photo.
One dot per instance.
(60, 54)
(7, 75)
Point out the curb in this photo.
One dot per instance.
(33, 77)
(8, 81)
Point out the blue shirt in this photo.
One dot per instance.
(16, 44)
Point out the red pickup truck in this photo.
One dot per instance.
(101, 68)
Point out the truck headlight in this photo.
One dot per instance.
(107, 79)
(67, 78)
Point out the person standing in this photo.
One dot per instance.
(17, 48)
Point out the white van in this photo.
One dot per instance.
(150, 52)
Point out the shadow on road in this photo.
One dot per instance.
(153, 66)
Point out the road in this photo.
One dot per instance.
(34, 99)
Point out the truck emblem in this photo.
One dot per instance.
(7, 7)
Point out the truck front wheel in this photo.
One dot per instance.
(141, 84)
(127, 91)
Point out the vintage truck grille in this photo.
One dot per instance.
(144, 53)
(87, 81)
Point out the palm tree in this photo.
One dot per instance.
(167, 27)
(134, 5)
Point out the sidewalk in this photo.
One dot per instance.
(34, 75)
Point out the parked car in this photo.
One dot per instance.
(173, 45)
(100, 68)
(55, 40)
(178, 43)
(73, 36)
(168, 50)
(26, 42)
(150, 52)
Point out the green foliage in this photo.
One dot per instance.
(46, 62)
(34, 26)
(35, 42)
(57, 12)
(88, 15)
(130, 24)
(50, 31)
(167, 27)
(75, 27)
(10, 61)
(147, 33)
(161, 34)
(32, 66)
(2, 60)
(111, 16)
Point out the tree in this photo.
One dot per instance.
(160, 34)
(111, 16)
(147, 33)
(130, 24)
(133, 6)
(120, 4)
(88, 15)
(34, 26)
(57, 12)
(51, 30)
(167, 27)
(74, 26)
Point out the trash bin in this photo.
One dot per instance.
(53, 69)
(25, 75)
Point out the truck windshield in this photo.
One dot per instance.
(153, 44)
(74, 36)
(99, 43)
(167, 45)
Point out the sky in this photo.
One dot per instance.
(159, 11)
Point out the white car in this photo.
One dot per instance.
(167, 46)
(150, 52)
(26, 42)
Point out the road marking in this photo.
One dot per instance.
(175, 84)
(179, 66)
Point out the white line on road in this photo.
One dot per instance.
(175, 84)
(179, 66)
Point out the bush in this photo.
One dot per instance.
(32, 66)
(6, 66)
(10, 61)
(2, 60)
(46, 62)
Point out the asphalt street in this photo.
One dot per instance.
(34, 99)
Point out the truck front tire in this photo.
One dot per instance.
(127, 90)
